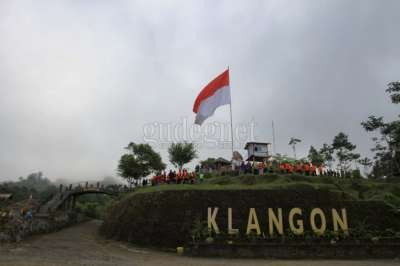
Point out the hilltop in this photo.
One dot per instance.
(357, 189)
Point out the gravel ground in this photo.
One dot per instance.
(80, 245)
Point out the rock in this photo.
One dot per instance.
(4, 237)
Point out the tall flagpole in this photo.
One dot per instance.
(273, 137)
(230, 108)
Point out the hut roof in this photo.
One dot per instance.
(257, 143)
(5, 196)
(222, 161)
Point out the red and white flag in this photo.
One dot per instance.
(212, 96)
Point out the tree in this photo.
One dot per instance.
(387, 143)
(327, 153)
(140, 161)
(181, 153)
(344, 148)
(394, 91)
(293, 141)
(315, 157)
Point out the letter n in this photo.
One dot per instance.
(342, 222)
(275, 221)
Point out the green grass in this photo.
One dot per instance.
(361, 189)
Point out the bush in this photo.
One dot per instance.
(356, 174)
(208, 175)
(299, 186)
(222, 180)
(230, 173)
(248, 179)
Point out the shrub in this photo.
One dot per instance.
(208, 175)
(222, 180)
(356, 174)
(248, 179)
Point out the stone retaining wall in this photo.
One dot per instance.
(298, 251)
(17, 228)
(167, 218)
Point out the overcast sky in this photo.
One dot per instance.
(79, 80)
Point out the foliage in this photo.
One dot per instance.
(343, 148)
(315, 157)
(93, 205)
(141, 161)
(248, 179)
(181, 153)
(35, 185)
(327, 153)
(199, 230)
(282, 158)
(365, 161)
(356, 174)
(394, 91)
(292, 142)
(387, 143)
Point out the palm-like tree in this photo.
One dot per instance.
(292, 142)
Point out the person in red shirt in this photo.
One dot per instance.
(192, 177)
(298, 168)
(307, 168)
(289, 168)
(185, 176)
(282, 167)
(179, 177)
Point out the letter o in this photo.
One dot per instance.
(318, 230)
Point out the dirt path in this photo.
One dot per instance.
(80, 245)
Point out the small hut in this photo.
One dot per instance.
(257, 151)
(211, 164)
(5, 196)
(222, 164)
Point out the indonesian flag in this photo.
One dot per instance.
(212, 96)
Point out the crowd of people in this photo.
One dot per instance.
(176, 177)
(306, 168)
(190, 177)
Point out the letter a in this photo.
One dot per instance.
(253, 225)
